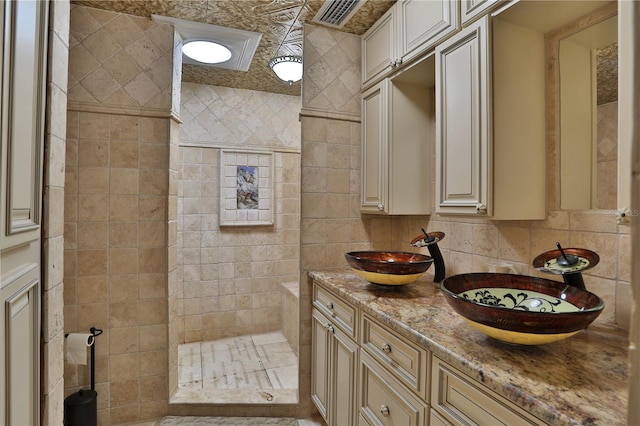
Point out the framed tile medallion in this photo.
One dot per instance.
(246, 188)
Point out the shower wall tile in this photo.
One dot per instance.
(222, 116)
(229, 273)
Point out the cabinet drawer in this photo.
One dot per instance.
(383, 400)
(405, 359)
(436, 419)
(340, 312)
(462, 401)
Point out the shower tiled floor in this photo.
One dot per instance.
(246, 369)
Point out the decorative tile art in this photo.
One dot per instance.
(246, 188)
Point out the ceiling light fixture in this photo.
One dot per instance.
(206, 51)
(287, 68)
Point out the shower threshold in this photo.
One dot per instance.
(257, 369)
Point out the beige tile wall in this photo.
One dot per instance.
(119, 207)
(607, 156)
(115, 258)
(52, 409)
(476, 245)
(231, 276)
(330, 218)
(119, 59)
(174, 285)
(227, 117)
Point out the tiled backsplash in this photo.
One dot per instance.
(477, 245)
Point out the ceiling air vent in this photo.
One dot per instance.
(336, 13)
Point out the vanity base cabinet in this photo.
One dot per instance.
(405, 360)
(436, 419)
(460, 400)
(333, 372)
(383, 400)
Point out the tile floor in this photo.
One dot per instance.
(233, 421)
(246, 369)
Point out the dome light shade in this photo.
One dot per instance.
(206, 51)
(287, 68)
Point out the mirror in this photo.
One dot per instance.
(587, 72)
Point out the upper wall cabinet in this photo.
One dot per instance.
(462, 110)
(472, 9)
(490, 121)
(397, 130)
(379, 47)
(408, 29)
(422, 24)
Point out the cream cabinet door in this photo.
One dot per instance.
(424, 23)
(334, 360)
(472, 9)
(463, 122)
(344, 364)
(379, 48)
(24, 25)
(375, 140)
(320, 341)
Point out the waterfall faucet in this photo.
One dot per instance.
(430, 240)
(568, 262)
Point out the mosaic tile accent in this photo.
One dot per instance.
(280, 22)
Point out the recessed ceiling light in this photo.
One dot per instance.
(206, 51)
(242, 44)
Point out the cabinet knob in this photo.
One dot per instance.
(384, 410)
(393, 64)
(399, 61)
(330, 305)
(329, 327)
(381, 207)
(481, 208)
(386, 348)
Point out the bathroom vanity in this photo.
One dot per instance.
(410, 359)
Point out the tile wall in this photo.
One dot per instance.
(52, 374)
(118, 207)
(607, 156)
(331, 223)
(232, 275)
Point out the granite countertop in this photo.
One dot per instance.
(582, 380)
